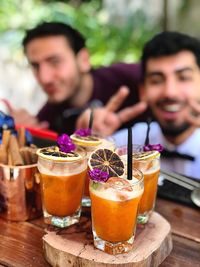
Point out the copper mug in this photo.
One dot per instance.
(20, 196)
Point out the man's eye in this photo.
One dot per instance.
(55, 61)
(35, 67)
(155, 81)
(185, 78)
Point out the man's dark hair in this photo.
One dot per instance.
(169, 43)
(45, 29)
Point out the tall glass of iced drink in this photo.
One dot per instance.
(114, 203)
(62, 183)
(148, 162)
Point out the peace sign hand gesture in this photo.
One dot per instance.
(107, 119)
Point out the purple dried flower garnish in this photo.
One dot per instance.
(65, 143)
(83, 132)
(98, 175)
(157, 147)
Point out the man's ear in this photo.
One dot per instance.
(142, 93)
(83, 60)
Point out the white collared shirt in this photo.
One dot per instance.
(191, 146)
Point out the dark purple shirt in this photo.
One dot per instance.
(107, 80)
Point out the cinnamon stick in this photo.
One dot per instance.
(33, 154)
(21, 136)
(16, 157)
(9, 159)
(3, 154)
(5, 138)
(25, 153)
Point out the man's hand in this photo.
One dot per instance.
(23, 117)
(106, 119)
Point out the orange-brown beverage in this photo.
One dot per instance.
(91, 143)
(148, 162)
(150, 190)
(62, 185)
(62, 195)
(114, 212)
(150, 167)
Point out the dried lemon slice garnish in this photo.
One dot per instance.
(146, 160)
(107, 161)
(53, 153)
(90, 140)
(144, 155)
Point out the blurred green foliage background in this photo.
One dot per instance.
(108, 42)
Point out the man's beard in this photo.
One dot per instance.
(172, 131)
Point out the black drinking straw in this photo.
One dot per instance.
(129, 154)
(91, 119)
(146, 142)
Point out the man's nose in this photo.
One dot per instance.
(44, 74)
(171, 88)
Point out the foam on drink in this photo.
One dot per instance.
(116, 192)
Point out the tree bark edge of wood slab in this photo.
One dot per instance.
(73, 246)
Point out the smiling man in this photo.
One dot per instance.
(171, 87)
(60, 61)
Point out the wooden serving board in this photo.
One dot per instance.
(73, 246)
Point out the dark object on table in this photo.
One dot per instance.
(170, 190)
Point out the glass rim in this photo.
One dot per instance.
(135, 159)
(94, 146)
(133, 145)
(83, 157)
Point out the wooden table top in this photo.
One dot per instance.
(21, 243)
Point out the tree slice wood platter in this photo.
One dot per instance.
(73, 246)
